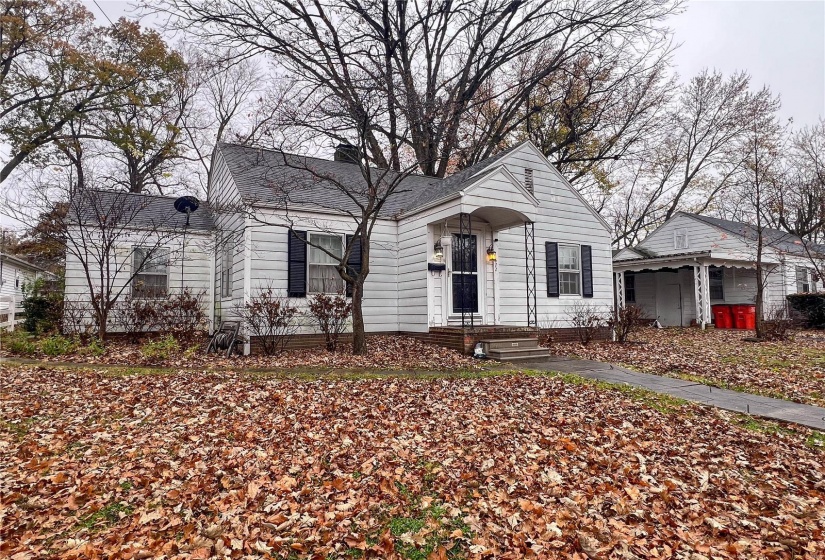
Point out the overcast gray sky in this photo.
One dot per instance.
(781, 43)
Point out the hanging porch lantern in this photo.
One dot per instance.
(491, 253)
(438, 252)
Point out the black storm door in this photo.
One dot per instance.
(465, 274)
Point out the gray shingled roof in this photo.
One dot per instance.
(780, 240)
(275, 178)
(140, 210)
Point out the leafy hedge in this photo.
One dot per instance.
(812, 308)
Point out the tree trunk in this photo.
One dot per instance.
(359, 339)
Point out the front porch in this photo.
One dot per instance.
(679, 290)
(465, 339)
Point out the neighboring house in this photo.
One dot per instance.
(692, 262)
(533, 248)
(15, 273)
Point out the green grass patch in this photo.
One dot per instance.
(105, 517)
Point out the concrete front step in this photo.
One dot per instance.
(517, 354)
(509, 343)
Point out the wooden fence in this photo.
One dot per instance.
(11, 314)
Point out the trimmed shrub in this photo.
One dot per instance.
(57, 346)
(587, 320)
(812, 308)
(161, 349)
(271, 320)
(180, 314)
(331, 314)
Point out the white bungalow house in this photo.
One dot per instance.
(532, 246)
(692, 262)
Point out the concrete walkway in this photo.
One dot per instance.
(776, 409)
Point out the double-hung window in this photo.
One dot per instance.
(151, 272)
(716, 283)
(227, 263)
(325, 252)
(802, 284)
(569, 270)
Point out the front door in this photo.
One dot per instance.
(465, 274)
(669, 305)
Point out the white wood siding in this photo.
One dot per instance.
(229, 224)
(562, 217)
(195, 273)
(701, 237)
(269, 261)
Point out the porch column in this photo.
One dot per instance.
(701, 290)
(620, 302)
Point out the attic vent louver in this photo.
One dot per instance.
(528, 180)
(347, 153)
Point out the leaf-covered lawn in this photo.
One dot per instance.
(384, 352)
(793, 370)
(197, 465)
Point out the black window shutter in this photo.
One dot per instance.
(354, 261)
(551, 257)
(587, 271)
(297, 266)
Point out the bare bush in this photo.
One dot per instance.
(136, 316)
(183, 315)
(587, 320)
(778, 324)
(271, 319)
(77, 319)
(331, 314)
(627, 320)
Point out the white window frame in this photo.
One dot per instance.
(310, 235)
(577, 271)
(160, 253)
(227, 266)
(681, 233)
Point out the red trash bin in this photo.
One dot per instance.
(744, 317)
(722, 316)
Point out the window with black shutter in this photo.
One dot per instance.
(297, 264)
(551, 258)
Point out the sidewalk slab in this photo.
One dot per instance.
(735, 401)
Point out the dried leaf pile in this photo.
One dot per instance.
(793, 370)
(385, 352)
(200, 465)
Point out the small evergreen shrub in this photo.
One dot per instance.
(43, 307)
(160, 349)
(57, 346)
(812, 308)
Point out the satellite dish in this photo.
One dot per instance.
(186, 204)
